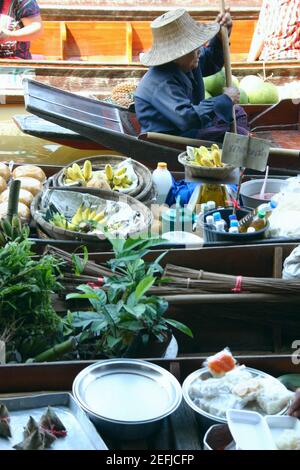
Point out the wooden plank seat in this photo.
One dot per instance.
(49, 46)
(101, 41)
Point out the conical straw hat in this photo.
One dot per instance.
(175, 34)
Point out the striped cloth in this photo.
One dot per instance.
(279, 25)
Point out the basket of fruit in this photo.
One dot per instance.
(109, 173)
(205, 163)
(78, 215)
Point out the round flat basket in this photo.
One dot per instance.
(63, 234)
(218, 173)
(98, 163)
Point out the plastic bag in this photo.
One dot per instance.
(291, 266)
(220, 363)
(285, 218)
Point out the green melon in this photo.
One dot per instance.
(243, 97)
(258, 91)
(235, 81)
(214, 84)
(266, 94)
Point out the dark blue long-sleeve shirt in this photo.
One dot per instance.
(171, 101)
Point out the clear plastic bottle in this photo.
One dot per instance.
(217, 218)
(259, 221)
(210, 221)
(247, 220)
(220, 225)
(211, 205)
(267, 208)
(234, 226)
(163, 181)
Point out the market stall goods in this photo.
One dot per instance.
(5, 430)
(25, 196)
(23, 211)
(31, 171)
(4, 171)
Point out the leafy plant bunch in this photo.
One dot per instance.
(123, 307)
(26, 286)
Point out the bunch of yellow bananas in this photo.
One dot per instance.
(84, 220)
(86, 215)
(117, 179)
(75, 174)
(208, 158)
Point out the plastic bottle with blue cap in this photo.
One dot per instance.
(234, 226)
(217, 218)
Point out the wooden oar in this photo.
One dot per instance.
(227, 63)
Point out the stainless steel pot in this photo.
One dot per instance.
(127, 398)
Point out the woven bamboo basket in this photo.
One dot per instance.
(143, 188)
(59, 233)
(218, 173)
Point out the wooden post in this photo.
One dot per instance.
(227, 64)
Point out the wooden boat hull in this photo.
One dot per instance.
(179, 432)
(114, 127)
(59, 376)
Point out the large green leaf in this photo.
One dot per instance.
(137, 310)
(180, 326)
(144, 286)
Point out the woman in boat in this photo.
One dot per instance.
(294, 409)
(171, 98)
(20, 22)
(277, 33)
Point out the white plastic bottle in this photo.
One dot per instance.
(163, 181)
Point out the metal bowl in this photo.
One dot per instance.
(205, 419)
(127, 398)
(218, 437)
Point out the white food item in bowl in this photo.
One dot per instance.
(218, 405)
(273, 396)
(239, 389)
(288, 440)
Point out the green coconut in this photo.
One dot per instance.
(214, 84)
(258, 91)
(235, 81)
(251, 83)
(266, 94)
(243, 97)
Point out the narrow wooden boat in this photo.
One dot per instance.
(245, 322)
(117, 128)
(179, 432)
(92, 49)
(59, 376)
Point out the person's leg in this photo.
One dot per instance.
(217, 131)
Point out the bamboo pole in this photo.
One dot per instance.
(227, 64)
